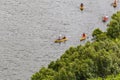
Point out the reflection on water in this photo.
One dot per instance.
(29, 27)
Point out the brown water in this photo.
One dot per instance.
(28, 29)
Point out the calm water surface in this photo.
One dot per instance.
(28, 29)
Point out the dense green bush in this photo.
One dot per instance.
(95, 60)
(98, 35)
(114, 26)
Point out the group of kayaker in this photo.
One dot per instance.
(64, 38)
(114, 4)
(105, 18)
(84, 36)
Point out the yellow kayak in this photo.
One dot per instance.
(60, 40)
(83, 38)
(81, 8)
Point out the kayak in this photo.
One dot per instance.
(83, 38)
(81, 8)
(60, 40)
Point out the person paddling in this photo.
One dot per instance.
(81, 6)
(64, 37)
(59, 38)
(115, 4)
(105, 18)
(83, 35)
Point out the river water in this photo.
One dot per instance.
(28, 29)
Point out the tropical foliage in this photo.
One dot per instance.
(95, 60)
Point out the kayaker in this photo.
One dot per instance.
(115, 4)
(81, 6)
(59, 37)
(64, 37)
(83, 35)
(105, 18)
